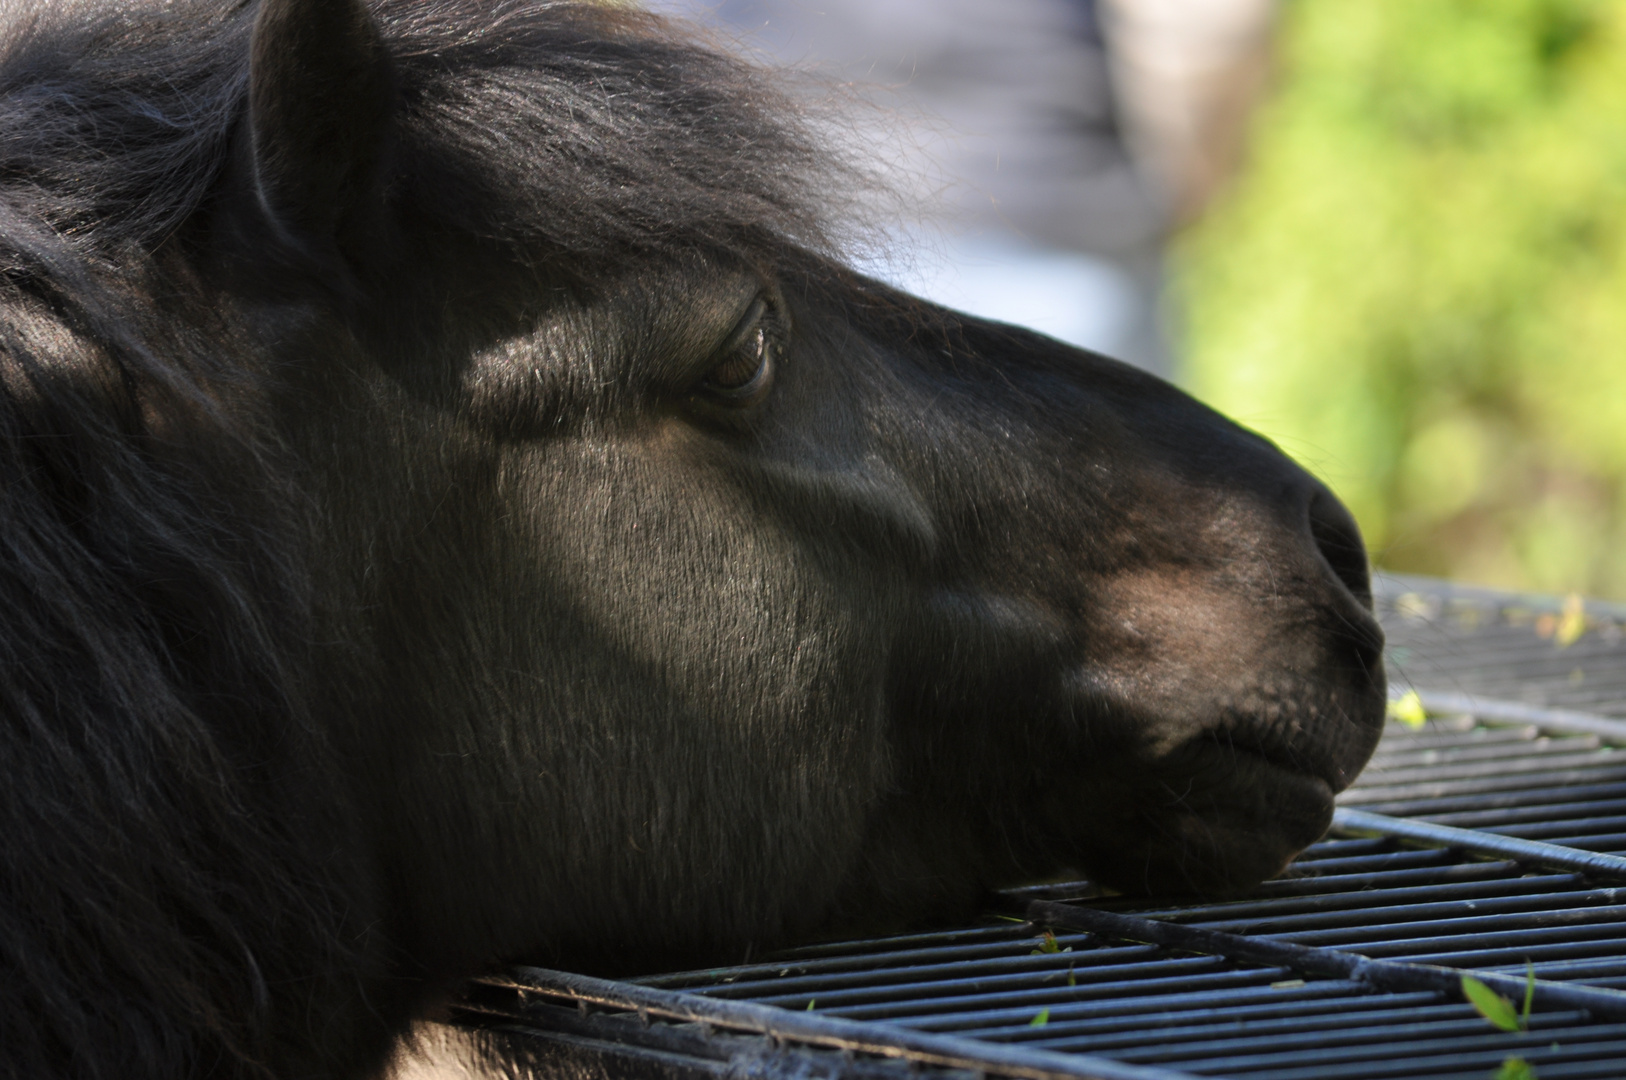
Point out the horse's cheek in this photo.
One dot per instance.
(683, 715)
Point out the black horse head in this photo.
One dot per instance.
(455, 508)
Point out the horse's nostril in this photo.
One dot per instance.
(1338, 539)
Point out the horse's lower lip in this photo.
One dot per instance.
(1297, 790)
(1275, 758)
(1308, 786)
(1280, 759)
(1216, 820)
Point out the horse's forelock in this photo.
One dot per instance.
(602, 132)
(591, 130)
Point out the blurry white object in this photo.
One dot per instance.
(1055, 142)
(1083, 299)
(1187, 75)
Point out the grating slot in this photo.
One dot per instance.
(1445, 871)
(1533, 760)
(1570, 814)
(1543, 906)
(1086, 967)
(1537, 796)
(1369, 1045)
(1387, 861)
(782, 978)
(1463, 737)
(1259, 983)
(1316, 997)
(1533, 852)
(1396, 1058)
(1510, 958)
(1367, 904)
(1204, 976)
(1457, 760)
(1377, 1026)
(1564, 924)
(1448, 1063)
(1434, 789)
(1264, 1019)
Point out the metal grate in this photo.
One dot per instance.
(1493, 839)
(1507, 652)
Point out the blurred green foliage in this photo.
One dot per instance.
(1418, 286)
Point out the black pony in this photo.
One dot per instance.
(454, 508)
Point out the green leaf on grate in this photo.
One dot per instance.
(1047, 944)
(1408, 709)
(1491, 1005)
(1515, 1068)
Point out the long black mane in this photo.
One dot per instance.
(153, 670)
(598, 129)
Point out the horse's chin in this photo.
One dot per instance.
(1214, 822)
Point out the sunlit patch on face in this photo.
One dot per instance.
(1239, 732)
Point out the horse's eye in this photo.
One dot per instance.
(745, 365)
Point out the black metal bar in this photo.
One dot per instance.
(823, 1031)
(891, 984)
(1221, 978)
(1365, 1059)
(1528, 852)
(1175, 999)
(1535, 759)
(1266, 1017)
(1516, 712)
(1538, 907)
(1389, 861)
(1602, 921)
(1502, 818)
(1498, 800)
(1404, 745)
(1437, 874)
(1288, 1030)
(1310, 960)
(1437, 788)
(1492, 959)
(793, 965)
(1594, 831)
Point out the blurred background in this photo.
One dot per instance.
(1388, 234)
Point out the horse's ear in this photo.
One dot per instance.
(320, 94)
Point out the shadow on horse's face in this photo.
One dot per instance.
(728, 605)
(718, 595)
(713, 599)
